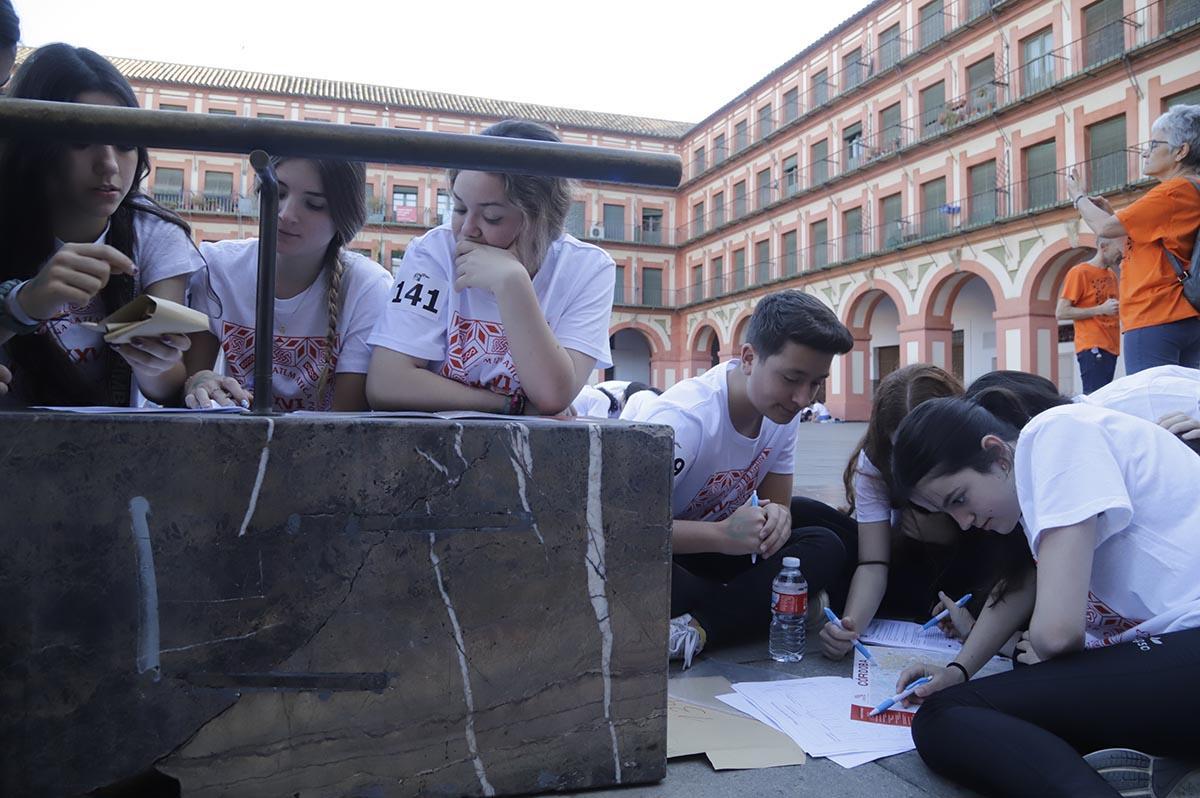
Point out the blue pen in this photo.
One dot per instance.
(833, 619)
(898, 697)
(935, 620)
(754, 503)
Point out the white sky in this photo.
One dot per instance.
(674, 60)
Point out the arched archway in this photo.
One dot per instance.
(631, 353)
(959, 317)
(705, 351)
(740, 329)
(873, 315)
(1054, 355)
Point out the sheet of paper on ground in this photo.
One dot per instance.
(882, 632)
(875, 683)
(697, 723)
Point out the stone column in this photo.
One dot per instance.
(1028, 342)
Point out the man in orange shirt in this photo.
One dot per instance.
(1089, 298)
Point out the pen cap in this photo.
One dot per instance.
(791, 562)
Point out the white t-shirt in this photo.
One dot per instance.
(1151, 394)
(301, 322)
(872, 502)
(594, 403)
(1078, 461)
(161, 251)
(460, 332)
(634, 403)
(716, 467)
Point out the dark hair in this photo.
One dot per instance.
(10, 25)
(61, 73)
(638, 387)
(1015, 396)
(898, 393)
(797, 317)
(543, 201)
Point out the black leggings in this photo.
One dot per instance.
(731, 598)
(1023, 732)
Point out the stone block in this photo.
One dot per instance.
(332, 606)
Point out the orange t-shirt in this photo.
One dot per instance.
(1168, 214)
(1087, 286)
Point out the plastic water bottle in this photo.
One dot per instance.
(789, 602)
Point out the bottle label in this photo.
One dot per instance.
(790, 603)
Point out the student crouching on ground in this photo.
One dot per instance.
(735, 434)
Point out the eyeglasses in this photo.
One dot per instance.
(1151, 144)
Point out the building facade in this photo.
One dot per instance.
(908, 169)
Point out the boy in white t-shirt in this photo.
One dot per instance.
(735, 435)
(609, 399)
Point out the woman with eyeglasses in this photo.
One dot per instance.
(1161, 328)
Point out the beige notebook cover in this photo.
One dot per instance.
(147, 316)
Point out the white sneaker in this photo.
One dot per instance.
(1132, 773)
(684, 640)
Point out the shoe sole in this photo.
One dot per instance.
(1133, 774)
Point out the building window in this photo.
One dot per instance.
(1041, 184)
(1037, 61)
(891, 222)
(718, 212)
(766, 122)
(265, 115)
(739, 269)
(652, 226)
(932, 23)
(852, 234)
(741, 136)
(762, 261)
(652, 292)
(444, 207)
(763, 186)
(614, 222)
(1103, 32)
(1107, 166)
(698, 164)
(1179, 13)
(933, 109)
(790, 266)
(981, 87)
(791, 105)
(619, 286)
(819, 162)
(698, 282)
(718, 275)
(1188, 97)
(218, 191)
(719, 152)
(889, 47)
(698, 219)
(168, 186)
(404, 204)
(852, 147)
(791, 176)
(397, 259)
(934, 213)
(820, 88)
(890, 131)
(171, 107)
(222, 112)
(981, 205)
(575, 220)
(739, 199)
(818, 248)
(852, 69)
(977, 8)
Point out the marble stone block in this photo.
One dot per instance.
(334, 605)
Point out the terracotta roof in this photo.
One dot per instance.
(236, 80)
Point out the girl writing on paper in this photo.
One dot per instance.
(327, 298)
(499, 311)
(80, 240)
(1114, 608)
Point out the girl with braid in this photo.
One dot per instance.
(327, 298)
(80, 240)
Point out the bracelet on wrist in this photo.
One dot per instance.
(516, 404)
(12, 317)
(961, 667)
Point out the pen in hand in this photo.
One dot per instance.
(884, 706)
(754, 503)
(935, 620)
(833, 619)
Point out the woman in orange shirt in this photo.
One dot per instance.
(1160, 326)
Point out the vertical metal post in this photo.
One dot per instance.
(264, 328)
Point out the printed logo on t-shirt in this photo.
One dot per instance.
(297, 361)
(725, 491)
(1103, 621)
(62, 326)
(475, 345)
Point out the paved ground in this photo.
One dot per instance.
(821, 454)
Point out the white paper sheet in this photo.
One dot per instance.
(902, 634)
(150, 409)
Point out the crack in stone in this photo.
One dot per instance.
(258, 479)
(521, 457)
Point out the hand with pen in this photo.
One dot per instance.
(959, 621)
(939, 679)
(761, 530)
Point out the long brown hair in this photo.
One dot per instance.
(897, 395)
